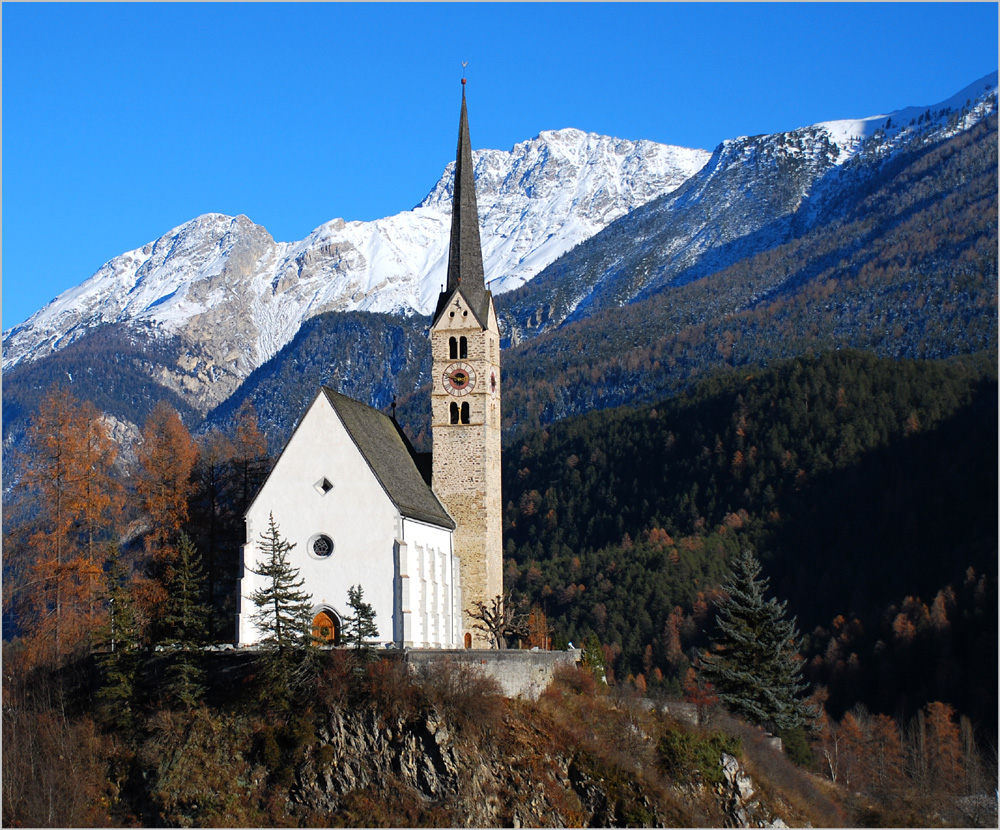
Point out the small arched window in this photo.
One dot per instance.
(454, 412)
(465, 413)
(468, 640)
(463, 348)
(453, 348)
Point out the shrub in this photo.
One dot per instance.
(463, 695)
(685, 754)
(573, 680)
(389, 688)
(796, 745)
(336, 681)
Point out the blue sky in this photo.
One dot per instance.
(122, 121)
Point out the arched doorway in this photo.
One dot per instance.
(326, 628)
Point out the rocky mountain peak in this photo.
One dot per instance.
(235, 296)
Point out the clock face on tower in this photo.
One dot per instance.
(459, 379)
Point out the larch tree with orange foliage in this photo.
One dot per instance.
(851, 743)
(942, 747)
(68, 475)
(100, 497)
(249, 453)
(167, 455)
(537, 626)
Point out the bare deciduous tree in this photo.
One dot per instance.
(500, 619)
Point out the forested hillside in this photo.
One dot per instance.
(110, 368)
(906, 266)
(867, 487)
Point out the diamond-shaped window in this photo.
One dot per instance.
(323, 486)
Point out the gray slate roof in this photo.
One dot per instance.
(391, 458)
(465, 255)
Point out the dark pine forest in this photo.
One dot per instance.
(866, 486)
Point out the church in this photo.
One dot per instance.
(422, 537)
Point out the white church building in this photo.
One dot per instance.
(421, 535)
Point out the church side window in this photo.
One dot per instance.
(454, 412)
(463, 348)
(453, 348)
(320, 546)
(465, 413)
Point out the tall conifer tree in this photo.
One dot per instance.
(167, 455)
(360, 626)
(117, 694)
(284, 616)
(68, 477)
(753, 663)
(185, 621)
(284, 612)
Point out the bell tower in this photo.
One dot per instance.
(465, 399)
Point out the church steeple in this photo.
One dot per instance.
(465, 253)
(465, 402)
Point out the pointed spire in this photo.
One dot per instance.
(465, 257)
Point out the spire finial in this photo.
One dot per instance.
(464, 64)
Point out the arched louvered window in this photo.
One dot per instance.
(453, 348)
(454, 412)
(465, 413)
(463, 348)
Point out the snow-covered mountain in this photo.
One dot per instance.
(755, 193)
(571, 224)
(235, 296)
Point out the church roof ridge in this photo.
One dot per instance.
(391, 458)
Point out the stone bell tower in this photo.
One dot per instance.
(465, 400)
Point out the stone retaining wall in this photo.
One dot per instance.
(520, 673)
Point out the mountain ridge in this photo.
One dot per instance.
(533, 205)
(755, 193)
(756, 200)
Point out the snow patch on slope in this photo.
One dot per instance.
(850, 134)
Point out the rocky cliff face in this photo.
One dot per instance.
(442, 747)
(522, 780)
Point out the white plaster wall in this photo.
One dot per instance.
(356, 514)
(428, 569)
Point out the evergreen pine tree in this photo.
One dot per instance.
(361, 625)
(753, 663)
(593, 657)
(284, 611)
(284, 615)
(185, 623)
(121, 635)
